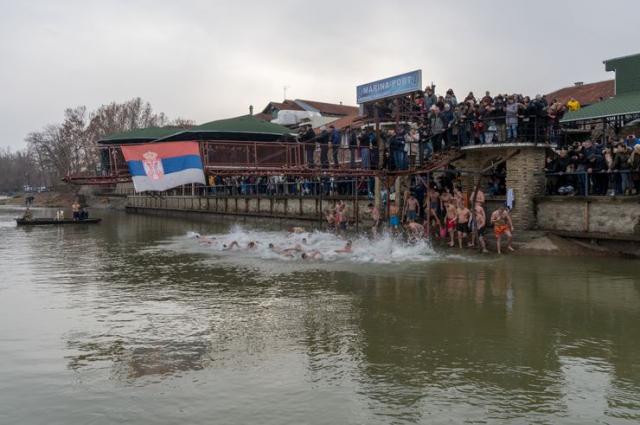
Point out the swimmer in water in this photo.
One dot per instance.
(414, 230)
(296, 229)
(232, 245)
(347, 248)
(252, 245)
(204, 240)
(311, 255)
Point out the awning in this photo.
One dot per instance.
(139, 135)
(246, 127)
(622, 104)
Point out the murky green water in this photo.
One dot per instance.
(126, 322)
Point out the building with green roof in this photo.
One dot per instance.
(624, 106)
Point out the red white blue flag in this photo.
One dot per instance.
(162, 166)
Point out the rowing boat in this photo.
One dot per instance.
(44, 221)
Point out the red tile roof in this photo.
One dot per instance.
(331, 108)
(586, 94)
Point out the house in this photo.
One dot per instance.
(624, 105)
(586, 94)
(292, 112)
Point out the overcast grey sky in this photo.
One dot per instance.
(211, 59)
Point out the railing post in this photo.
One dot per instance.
(586, 183)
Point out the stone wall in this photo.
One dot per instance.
(524, 167)
(300, 208)
(616, 216)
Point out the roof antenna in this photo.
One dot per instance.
(284, 89)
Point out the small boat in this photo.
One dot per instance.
(44, 221)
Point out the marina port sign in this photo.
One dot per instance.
(387, 87)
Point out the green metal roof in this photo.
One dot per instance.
(622, 104)
(245, 127)
(139, 135)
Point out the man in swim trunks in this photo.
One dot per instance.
(331, 220)
(451, 220)
(464, 215)
(411, 208)
(502, 225)
(480, 224)
(375, 216)
(394, 217)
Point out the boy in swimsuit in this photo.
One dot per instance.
(464, 215)
(411, 208)
(451, 219)
(480, 223)
(394, 218)
(502, 225)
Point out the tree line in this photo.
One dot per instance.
(70, 147)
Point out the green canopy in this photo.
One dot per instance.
(139, 135)
(622, 104)
(246, 127)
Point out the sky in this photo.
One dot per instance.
(206, 60)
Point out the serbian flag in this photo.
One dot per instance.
(162, 166)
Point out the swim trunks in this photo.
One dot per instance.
(463, 227)
(394, 221)
(451, 224)
(482, 230)
(411, 215)
(500, 229)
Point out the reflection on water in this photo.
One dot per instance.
(135, 319)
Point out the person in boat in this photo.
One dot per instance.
(75, 208)
(28, 215)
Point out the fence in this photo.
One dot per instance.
(595, 183)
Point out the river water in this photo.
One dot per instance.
(136, 320)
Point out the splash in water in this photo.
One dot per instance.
(317, 247)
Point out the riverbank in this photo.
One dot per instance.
(59, 199)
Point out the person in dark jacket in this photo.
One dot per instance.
(352, 140)
(307, 136)
(335, 144)
(323, 140)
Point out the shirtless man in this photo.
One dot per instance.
(375, 216)
(411, 208)
(341, 217)
(451, 219)
(480, 198)
(414, 230)
(464, 215)
(229, 247)
(331, 220)
(458, 197)
(296, 229)
(347, 248)
(204, 240)
(311, 255)
(480, 223)
(502, 225)
(394, 216)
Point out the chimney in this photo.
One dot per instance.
(250, 109)
(578, 83)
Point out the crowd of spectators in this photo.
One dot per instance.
(430, 123)
(595, 168)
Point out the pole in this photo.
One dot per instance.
(428, 208)
(357, 207)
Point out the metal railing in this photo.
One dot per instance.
(593, 183)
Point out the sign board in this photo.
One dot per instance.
(392, 86)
